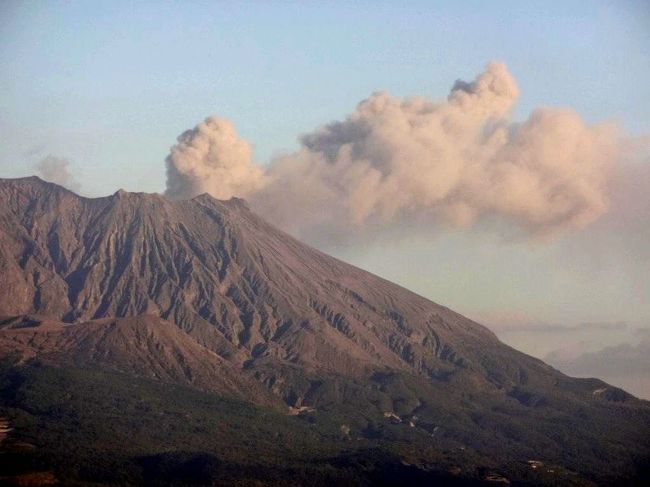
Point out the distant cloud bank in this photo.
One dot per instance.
(392, 161)
(554, 328)
(626, 365)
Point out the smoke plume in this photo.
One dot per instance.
(458, 162)
(55, 170)
(211, 158)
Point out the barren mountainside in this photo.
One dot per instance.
(206, 294)
(238, 286)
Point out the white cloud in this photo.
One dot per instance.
(458, 162)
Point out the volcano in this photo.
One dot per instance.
(203, 298)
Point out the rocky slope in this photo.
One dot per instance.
(204, 292)
(244, 291)
(144, 345)
(238, 286)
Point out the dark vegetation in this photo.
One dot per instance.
(100, 427)
(93, 426)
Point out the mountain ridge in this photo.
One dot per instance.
(206, 294)
(130, 206)
(238, 286)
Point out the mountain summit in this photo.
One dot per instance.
(206, 294)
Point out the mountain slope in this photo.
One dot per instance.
(240, 287)
(204, 292)
(145, 346)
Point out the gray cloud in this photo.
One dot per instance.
(55, 170)
(619, 360)
(643, 332)
(626, 366)
(558, 328)
(618, 242)
(392, 161)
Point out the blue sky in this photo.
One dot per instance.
(110, 85)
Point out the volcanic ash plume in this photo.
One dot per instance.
(211, 158)
(397, 160)
(55, 170)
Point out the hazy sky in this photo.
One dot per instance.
(101, 91)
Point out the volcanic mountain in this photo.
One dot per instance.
(205, 294)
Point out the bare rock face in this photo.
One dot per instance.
(245, 297)
(218, 271)
(204, 293)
